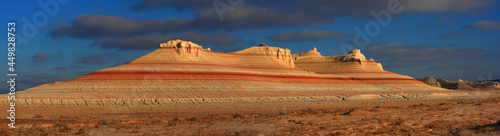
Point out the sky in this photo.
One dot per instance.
(59, 40)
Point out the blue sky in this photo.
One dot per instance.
(451, 39)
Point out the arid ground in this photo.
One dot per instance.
(437, 116)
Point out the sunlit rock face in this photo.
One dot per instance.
(353, 62)
(184, 70)
(184, 48)
(355, 54)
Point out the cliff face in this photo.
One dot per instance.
(184, 70)
(183, 48)
(281, 54)
(353, 62)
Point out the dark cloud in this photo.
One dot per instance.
(92, 26)
(444, 20)
(111, 31)
(153, 41)
(322, 8)
(405, 55)
(173, 4)
(38, 79)
(362, 8)
(56, 22)
(447, 5)
(259, 17)
(98, 59)
(448, 66)
(248, 15)
(458, 34)
(357, 8)
(307, 35)
(485, 25)
(59, 68)
(41, 56)
(421, 26)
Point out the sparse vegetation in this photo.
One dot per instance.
(37, 116)
(464, 117)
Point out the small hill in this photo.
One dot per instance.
(459, 84)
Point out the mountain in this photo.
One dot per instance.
(182, 71)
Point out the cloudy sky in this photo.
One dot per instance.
(63, 39)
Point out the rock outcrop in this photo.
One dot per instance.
(431, 81)
(459, 84)
(184, 71)
(353, 62)
(281, 54)
(353, 55)
(184, 48)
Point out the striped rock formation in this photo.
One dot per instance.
(352, 63)
(183, 72)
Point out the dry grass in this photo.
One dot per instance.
(448, 118)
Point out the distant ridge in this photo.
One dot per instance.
(460, 84)
(496, 80)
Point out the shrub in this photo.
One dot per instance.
(192, 119)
